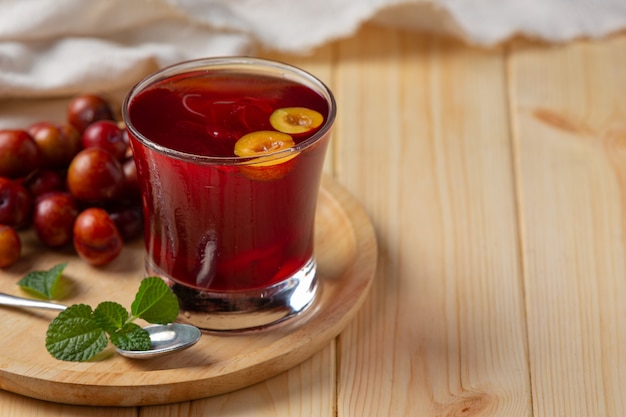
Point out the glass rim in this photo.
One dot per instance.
(245, 64)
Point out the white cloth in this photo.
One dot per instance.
(63, 47)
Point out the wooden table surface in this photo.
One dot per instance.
(496, 182)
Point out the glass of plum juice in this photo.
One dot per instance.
(229, 155)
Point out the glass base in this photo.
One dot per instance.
(245, 310)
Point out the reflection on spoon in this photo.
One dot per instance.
(164, 338)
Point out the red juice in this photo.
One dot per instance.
(216, 224)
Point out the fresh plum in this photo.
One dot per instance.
(95, 175)
(15, 203)
(10, 246)
(44, 181)
(128, 218)
(106, 134)
(85, 109)
(19, 154)
(57, 144)
(96, 237)
(54, 217)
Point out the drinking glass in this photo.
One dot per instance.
(230, 227)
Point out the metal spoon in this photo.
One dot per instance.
(165, 338)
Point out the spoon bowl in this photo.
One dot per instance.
(164, 338)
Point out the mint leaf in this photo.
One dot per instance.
(131, 337)
(74, 335)
(155, 302)
(79, 333)
(110, 316)
(43, 283)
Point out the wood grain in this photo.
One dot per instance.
(569, 118)
(445, 333)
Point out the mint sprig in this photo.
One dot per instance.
(43, 283)
(79, 333)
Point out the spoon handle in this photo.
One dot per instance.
(14, 301)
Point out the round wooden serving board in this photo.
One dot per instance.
(346, 252)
